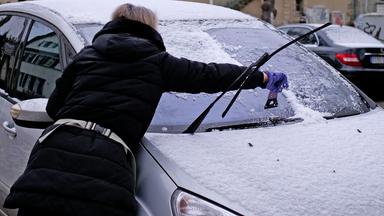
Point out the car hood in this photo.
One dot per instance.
(333, 167)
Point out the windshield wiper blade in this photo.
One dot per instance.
(247, 72)
(344, 112)
(270, 122)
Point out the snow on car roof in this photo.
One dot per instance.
(99, 11)
(351, 37)
(64, 14)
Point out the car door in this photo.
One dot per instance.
(12, 32)
(38, 64)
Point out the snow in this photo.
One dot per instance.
(333, 167)
(99, 11)
(361, 45)
(347, 35)
(302, 111)
(189, 40)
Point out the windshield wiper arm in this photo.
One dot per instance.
(246, 73)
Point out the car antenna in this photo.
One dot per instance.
(246, 73)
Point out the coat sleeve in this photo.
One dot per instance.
(183, 75)
(63, 87)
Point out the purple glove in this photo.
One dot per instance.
(276, 81)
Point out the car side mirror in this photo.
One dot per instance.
(31, 113)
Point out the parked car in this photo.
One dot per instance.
(320, 152)
(371, 23)
(349, 50)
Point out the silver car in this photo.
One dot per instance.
(320, 152)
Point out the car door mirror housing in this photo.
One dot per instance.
(31, 113)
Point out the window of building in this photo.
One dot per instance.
(299, 6)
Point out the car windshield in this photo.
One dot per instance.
(313, 83)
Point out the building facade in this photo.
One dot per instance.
(315, 11)
(7, 1)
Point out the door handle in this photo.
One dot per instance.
(10, 129)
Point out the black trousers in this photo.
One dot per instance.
(75, 172)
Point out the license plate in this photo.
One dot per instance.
(377, 59)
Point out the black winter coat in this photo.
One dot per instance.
(117, 82)
(75, 172)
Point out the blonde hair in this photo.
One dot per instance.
(137, 13)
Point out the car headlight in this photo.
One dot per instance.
(185, 204)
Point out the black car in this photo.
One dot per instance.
(351, 51)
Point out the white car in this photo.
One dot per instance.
(371, 23)
(320, 152)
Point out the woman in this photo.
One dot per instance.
(104, 102)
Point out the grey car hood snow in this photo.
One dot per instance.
(333, 167)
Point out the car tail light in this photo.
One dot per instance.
(185, 204)
(350, 59)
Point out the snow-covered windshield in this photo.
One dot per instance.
(313, 83)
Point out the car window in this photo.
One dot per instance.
(11, 31)
(285, 30)
(298, 31)
(40, 64)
